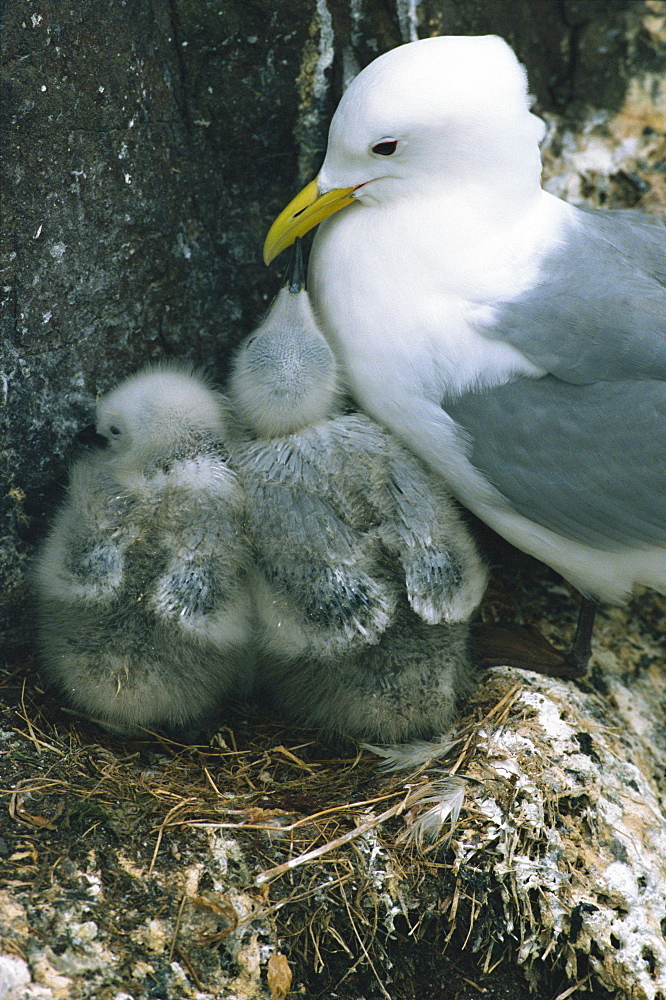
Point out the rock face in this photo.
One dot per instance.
(575, 824)
(143, 149)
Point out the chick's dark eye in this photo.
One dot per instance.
(114, 430)
(385, 148)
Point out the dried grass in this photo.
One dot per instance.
(319, 822)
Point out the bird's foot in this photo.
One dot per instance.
(574, 664)
(523, 647)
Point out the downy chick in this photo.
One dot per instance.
(366, 575)
(144, 607)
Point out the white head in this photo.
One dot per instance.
(157, 413)
(284, 376)
(445, 118)
(448, 110)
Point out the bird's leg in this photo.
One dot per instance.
(578, 656)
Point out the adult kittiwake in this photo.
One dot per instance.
(514, 342)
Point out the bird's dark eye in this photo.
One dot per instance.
(385, 148)
(114, 430)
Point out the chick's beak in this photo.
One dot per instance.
(303, 213)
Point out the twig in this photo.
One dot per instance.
(302, 859)
(211, 782)
(287, 827)
(27, 721)
(163, 825)
(190, 969)
(294, 759)
(179, 918)
(572, 989)
(383, 989)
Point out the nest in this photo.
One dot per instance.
(267, 858)
(313, 847)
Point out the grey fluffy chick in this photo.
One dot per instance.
(144, 607)
(366, 576)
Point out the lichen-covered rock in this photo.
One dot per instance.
(574, 827)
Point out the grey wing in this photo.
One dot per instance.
(587, 461)
(444, 574)
(304, 548)
(83, 556)
(205, 549)
(185, 590)
(309, 551)
(417, 521)
(598, 309)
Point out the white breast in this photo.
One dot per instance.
(402, 292)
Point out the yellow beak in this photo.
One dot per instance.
(303, 213)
